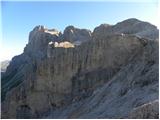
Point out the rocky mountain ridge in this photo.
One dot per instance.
(120, 60)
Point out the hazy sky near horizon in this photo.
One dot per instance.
(19, 18)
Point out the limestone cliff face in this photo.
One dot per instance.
(135, 85)
(25, 64)
(46, 77)
(96, 61)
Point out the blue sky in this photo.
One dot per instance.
(19, 18)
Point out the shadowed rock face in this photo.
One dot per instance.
(105, 76)
(132, 86)
(73, 34)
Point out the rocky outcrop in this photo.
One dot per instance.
(76, 35)
(146, 111)
(64, 44)
(39, 38)
(129, 26)
(48, 78)
(4, 65)
(23, 65)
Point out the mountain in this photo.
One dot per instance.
(130, 26)
(4, 65)
(111, 72)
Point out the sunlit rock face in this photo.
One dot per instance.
(79, 74)
(64, 44)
